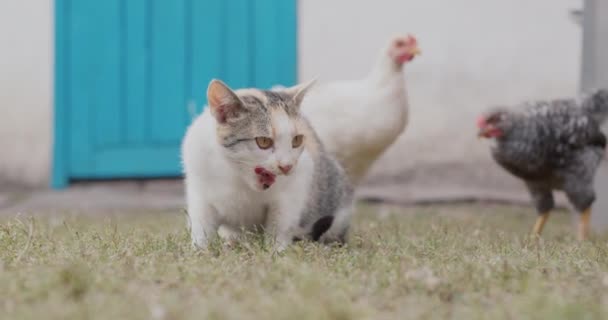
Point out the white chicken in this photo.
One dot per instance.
(358, 120)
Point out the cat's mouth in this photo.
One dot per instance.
(265, 177)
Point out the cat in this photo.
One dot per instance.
(252, 161)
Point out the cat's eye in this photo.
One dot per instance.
(264, 142)
(296, 142)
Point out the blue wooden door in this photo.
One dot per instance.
(130, 74)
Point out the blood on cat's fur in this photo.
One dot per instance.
(265, 177)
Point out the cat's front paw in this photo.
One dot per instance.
(279, 248)
(281, 244)
(202, 235)
(199, 242)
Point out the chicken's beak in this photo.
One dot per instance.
(415, 51)
(483, 132)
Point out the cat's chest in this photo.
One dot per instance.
(242, 208)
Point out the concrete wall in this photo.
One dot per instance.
(595, 45)
(475, 53)
(595, 74)
(26, 57)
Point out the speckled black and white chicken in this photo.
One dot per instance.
(552, 145)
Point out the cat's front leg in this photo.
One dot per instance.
(230, 236)
(204, 223)
(282, 241)
(282, 225)
(202, 232)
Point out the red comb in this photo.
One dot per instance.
(412, 39)
(481, 121)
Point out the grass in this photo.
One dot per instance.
(437, 262)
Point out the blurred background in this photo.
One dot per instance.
(105, 89)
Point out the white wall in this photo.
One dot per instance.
(474, 53)
(25, 91)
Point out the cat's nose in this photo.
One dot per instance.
(285, 168)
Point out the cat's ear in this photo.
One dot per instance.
(299, 91)
(224, 103)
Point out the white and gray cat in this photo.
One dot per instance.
(251, 160)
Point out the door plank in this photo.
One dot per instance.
(236, 66)
(136, 60)
(167, 94)
(265, 51)
(287, 33)
(207, 28)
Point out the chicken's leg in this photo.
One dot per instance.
(540, 223)
(583, 225)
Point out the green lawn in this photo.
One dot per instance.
(460, 262)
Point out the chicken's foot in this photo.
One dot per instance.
(583, 226)
(540, 223)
